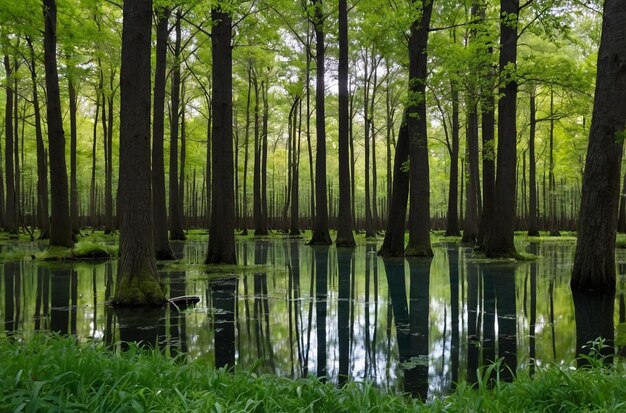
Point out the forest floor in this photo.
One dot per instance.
(51, 373)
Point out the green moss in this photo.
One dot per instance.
(138, 290)
(56, 254)
(91, 250)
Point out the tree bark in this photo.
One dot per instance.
(176, 219)
(393, 243)
(321, 234)
(73, 166)
(60, 223)
(470, 225)
(162, 247)
(222, 230)
(452, 227)
(533, 231)
(10, 219)
(594, 262)
(419, 214)
(500, 242)
(43, 217)
(137, 279)
(345, 237)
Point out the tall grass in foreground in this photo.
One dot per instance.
(55, 374)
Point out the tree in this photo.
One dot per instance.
(419, 213)
(137, 279)
(222, 228)
(162, 246)
(60, 223)
(10, 217)
(500, 241)
(176, 214)
(345, 238)
(321, 234)
(594, 261)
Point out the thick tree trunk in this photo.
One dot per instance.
(345, 237)
(60, 223)
(500, 242)
(393, 244)
(419, 214)
(594, 262)
(222, 230)
(321, 234)
(533, 230)
(176, 218)
(162, 247)
(43, 217)
(137, 279)
(10, 219)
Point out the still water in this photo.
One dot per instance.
(417, 325)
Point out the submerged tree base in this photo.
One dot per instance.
(139, 290)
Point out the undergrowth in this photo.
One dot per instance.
(50, 373)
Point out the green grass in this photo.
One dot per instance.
(57, 374)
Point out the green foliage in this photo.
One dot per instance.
(50, 373)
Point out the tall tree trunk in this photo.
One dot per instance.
(137, 279)
(10, 220)
(533, 230)
(345, 237)
(295, 184)
(73, 167)
(393, 244)
(500, 242)
(264, 133)
(162, 247)
(452, 227)
(176, 219)
(92, 186)
(553, 220)
(259, 229)
(43, 218)
(246, 154)
(109, 224)
(594, 262)
(222, 230)
(60, 223)
(321, 234)
(369, 227)
(183, 156)
(470, 225)
(419, 214)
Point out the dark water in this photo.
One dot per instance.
(414, 325)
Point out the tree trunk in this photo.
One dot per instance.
(162, 247)
(533, 230)
(264, 133)
(294, 229)
(553, 220)
(369, 228)
(245, 222)
(10, 219)
(43, 218)
(137, 279)
(419, 214)
(393, 244)
(452, 227)
(109, 224)
(345, 237)
(60, 223)
(594, 262)
(73, 167)
(321, 234)
(500, 242)
(176, 220)
(470, 225)
(222, 230)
